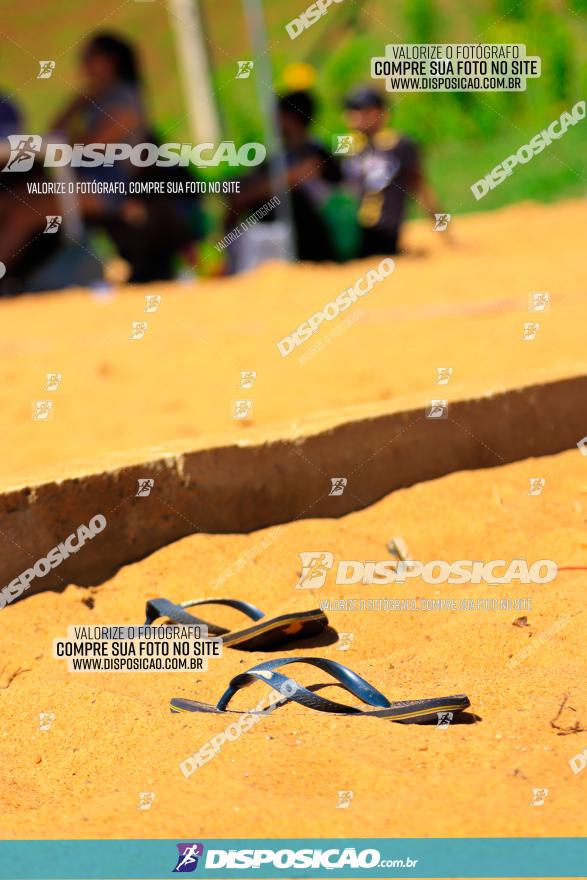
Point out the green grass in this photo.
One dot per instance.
(560, 171)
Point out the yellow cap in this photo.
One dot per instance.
(298, 76)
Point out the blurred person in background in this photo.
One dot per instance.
(312, 175)
(383, 169)
(148, 230)
(109, 108)
(35, 251)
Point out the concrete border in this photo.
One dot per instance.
(240, 488)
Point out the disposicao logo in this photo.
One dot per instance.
(527, 152)
(295, 859)
(317, 563)
(187, 860)
(315, 567)
(25, 148)
(331, 310)
(72, 544)
(23, 151)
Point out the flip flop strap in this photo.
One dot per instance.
(164, 608)
(295, 692)
(352, 681)
(290, 690)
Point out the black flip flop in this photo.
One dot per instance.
(265, 634)
(436, 710)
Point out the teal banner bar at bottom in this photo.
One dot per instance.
(310, 858)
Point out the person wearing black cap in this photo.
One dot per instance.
(310, 176)
(383, 169)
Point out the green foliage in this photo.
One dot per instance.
(517, 10)
(560, 171)
(422, 20)
(464, 134)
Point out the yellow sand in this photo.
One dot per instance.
(113, 735)
(461, 306)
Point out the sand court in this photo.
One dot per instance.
(162, 405)
(122, 399)
(525, 681)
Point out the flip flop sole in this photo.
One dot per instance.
(298, 625)
(405, 712)
(423, 711)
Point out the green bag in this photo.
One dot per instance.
(340, 213)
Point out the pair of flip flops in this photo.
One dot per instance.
(266, 633)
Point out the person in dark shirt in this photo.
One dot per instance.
(147, 231)
(316, 171)
(107, 109)
(383, 169)
(311, 173)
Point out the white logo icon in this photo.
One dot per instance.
(441, 222)
(144, 489)
(241, 409)
(344, 799)
(536, 485)
(152, 302)
(539, 795)
(538, 301)
(315, 566)
(146, 799)
(23, 151)
(46, 719)
(443, 375)
(42, 410)
(344, 144)
(437, 409)
(344, 641)
(245, 69)
(530, 330)
(444, 719)
(139, 328)
(46, 69)
(52, 381)
(53, 223)
(338, 485)
(247, 378)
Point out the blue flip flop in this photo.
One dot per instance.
(266, 632)
(435, 710)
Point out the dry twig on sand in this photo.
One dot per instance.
(11, 676)
(564, 731)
